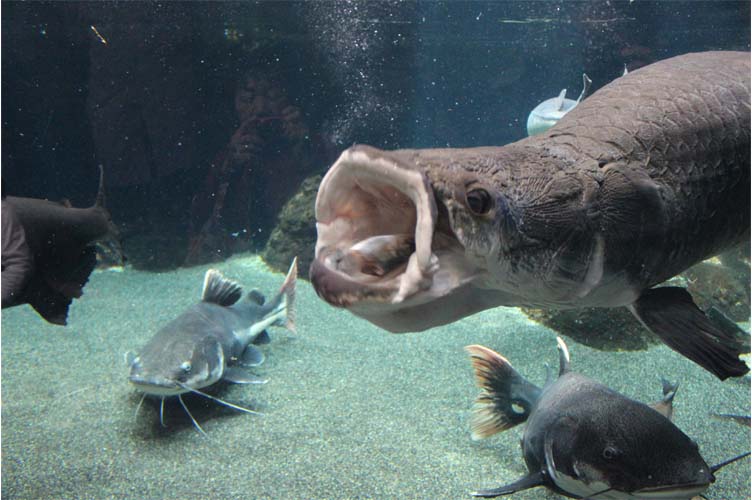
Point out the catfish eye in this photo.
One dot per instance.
(479, 201)
(609, 452)
(185, 366)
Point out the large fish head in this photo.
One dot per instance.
(176, 367)
(412, 239)
(652, 460)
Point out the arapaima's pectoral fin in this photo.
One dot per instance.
(670, 313)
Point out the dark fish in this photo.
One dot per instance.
(640, 181)
(584, 440)
(49, 251)
(211, 341)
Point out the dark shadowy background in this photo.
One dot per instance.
(208, 116)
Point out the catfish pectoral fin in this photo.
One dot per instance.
(670, 313)
(530, 481)
(237, 375)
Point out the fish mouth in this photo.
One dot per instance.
(156, 386)
(384, 246)
(673, 491)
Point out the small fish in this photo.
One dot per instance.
(211, 341)
(49, 251)
(546, 114)
(584, 440)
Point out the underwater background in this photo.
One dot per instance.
(213, 121)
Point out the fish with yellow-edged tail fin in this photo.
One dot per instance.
(584, 440)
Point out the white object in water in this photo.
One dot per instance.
(546, 114)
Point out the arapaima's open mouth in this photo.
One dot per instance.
(384, 243)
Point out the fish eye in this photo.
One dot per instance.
(185, 366)
(479, 201)
(609, 452)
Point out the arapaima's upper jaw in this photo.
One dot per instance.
(378, 251)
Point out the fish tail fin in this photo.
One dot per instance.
(506, 398)
(284, 302)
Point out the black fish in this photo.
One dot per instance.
(584, 440)
(48, 251)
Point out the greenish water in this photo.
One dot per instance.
(349, 410)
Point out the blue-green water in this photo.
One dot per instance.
(349, 410)
(184, 102)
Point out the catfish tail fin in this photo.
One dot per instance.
(283, 304)
(506, 398)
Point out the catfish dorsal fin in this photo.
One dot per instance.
(220, 290)
(563, 356)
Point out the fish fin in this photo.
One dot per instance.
(559, 102)
(729, 327)
(50, 304)
(220, 290)
(506, 397)
(130, 357)
(670, 313)
(237, 375)
(57, 282)
(532, 480)
(262, 338)
(586, 81)
(666, 405)
(563, 356)
(256, 296)
(251, 357)
(287, 290)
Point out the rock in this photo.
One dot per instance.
(295, 233)
(606, 329)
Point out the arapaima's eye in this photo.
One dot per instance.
(479, 201)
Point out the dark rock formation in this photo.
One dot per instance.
(295, 234)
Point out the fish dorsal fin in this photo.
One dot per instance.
(586, 81)
(559, 101)
(563, 356)
(666, 405)
(256, 296)
(220, 290)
